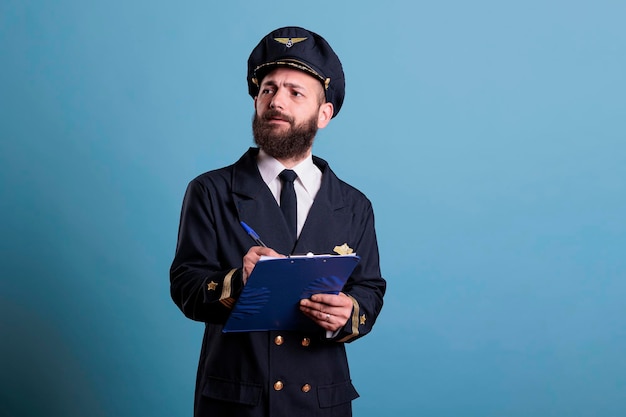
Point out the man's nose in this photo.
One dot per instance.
(278, 100)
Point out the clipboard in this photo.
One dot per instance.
(270, 299)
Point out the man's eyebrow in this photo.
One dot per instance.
(294, 85)
(273, 83)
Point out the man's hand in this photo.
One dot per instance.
(329, 311)
(252, 257)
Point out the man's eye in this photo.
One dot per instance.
(266, 91)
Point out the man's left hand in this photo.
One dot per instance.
(329, 311)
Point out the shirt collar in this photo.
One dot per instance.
(308, 173)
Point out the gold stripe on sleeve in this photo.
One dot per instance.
(226, 298)
(228, 302)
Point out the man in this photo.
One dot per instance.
(297, 83)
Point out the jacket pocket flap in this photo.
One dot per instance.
(233, 391)
(331, 395)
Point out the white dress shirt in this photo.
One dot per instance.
(306, 185)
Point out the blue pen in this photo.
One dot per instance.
(253, 234)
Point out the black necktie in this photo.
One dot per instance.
(288, 202)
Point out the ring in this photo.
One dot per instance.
(327, 317)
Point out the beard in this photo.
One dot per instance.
(294, 142)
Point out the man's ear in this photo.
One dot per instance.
(255, 97)
(324, 115)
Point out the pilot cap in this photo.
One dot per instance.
(295, 47)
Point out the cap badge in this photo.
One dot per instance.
(288, 42)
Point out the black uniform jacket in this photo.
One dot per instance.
(270, 373)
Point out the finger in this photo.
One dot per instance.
(253, 255)
(330, 322)
(333, 300)
(311, 311)
(323, 318)
(259, 251)
(317, 314)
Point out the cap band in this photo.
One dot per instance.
(296, 64)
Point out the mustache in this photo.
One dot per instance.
(277, 114)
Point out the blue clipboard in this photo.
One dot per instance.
(270, 299)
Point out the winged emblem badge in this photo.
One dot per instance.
(289, 42)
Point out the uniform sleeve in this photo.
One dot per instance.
(365, 287)
(199, 284)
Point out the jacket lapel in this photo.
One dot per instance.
(256, 205)
(327, 213)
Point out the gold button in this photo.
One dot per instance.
(278, 340)
(278, 385)
(306, 388)
(306, 342)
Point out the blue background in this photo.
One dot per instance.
(489, 135)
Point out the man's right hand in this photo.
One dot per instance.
(253, 256)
